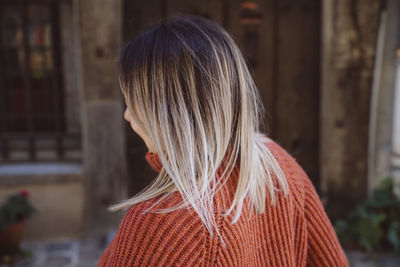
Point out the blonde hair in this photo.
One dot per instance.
(197, 100)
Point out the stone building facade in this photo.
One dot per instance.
(326, 71)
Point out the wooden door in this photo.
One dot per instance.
(280, 40)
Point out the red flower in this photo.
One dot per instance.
(24, 193)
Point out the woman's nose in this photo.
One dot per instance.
(126, 115)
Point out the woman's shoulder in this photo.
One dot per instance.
(294, 173)
(286, 161)
(153, 216)
(149, 237)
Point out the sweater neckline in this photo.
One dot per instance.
(154, 161)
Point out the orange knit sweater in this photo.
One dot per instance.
(295, 232)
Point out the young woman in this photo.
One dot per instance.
(225, 194)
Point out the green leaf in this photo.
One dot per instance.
(374, 222)
(370, 230)
(394, 235)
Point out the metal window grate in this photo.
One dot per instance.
(32, 117)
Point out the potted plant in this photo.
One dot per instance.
(374, 225)
(13, 215)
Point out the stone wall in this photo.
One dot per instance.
(350, 30)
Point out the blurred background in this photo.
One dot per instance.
(327, 72)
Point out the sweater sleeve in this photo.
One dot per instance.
(324, 248)
(155, 239)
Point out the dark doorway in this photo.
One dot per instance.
(281, 42)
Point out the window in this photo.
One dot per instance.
(32, 107)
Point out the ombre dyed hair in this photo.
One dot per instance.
(188, 88)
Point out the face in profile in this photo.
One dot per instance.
(128, 117)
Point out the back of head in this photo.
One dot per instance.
(187, 85)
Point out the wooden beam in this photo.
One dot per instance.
(98, 24)
(349, 38)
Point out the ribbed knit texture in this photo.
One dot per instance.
(295, 232)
